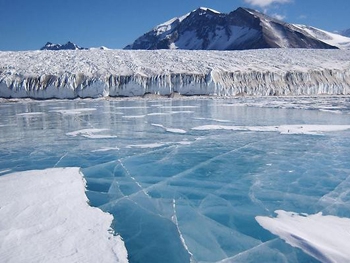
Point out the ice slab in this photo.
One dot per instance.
(134, 117)
(173, 130)
(105, 149)
(30, 114)
(45, 217)
(324, 237)
(74, 111)
(283, 129)
(151, 145)
(91, 133)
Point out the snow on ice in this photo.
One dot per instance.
(325, 237)
(283, 129)
(45, 217)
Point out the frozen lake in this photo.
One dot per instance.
(185, 179)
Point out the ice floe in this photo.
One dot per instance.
(283, 129)
(324, 237)
(45, 217)
(172, 130)
(91, 133)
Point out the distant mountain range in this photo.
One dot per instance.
(345, 33)
(207, 29)
(68, 46)
(243, 28)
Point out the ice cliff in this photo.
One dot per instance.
(103, 73)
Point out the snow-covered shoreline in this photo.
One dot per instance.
(45, 217)
(123, 73)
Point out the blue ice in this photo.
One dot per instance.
(181, 194)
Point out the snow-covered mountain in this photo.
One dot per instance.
(207, 29)
(345, 32)
(68, 46)
(112, 73)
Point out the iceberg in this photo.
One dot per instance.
(126, 73)
(45, 217)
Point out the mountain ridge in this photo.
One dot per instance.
(68, 46)
(243, 28)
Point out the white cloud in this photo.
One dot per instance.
(302, 17)
(279, 17)
(265, 3)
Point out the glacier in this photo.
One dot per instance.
(125, 73)
(195, 179)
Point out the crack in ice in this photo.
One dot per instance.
(133, 178)
(337, 195)
(63, 156)
(232, 259)
(183, 241)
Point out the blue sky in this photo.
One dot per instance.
(29, 24)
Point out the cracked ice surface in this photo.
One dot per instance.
(185, 179)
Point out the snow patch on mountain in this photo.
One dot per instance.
(169, 25)
(208, 9)
(333, 39)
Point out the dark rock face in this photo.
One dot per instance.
(206, 29)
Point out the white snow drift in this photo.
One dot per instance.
(102, 73)
(283, 129)
(45, 217)
(323, 237)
